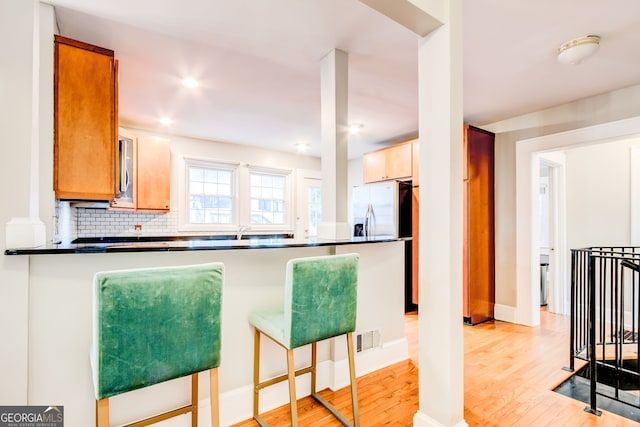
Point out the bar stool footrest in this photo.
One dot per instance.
(164, 416)
(332, 409)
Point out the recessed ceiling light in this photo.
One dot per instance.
(166, 121)
(189, 82)
(302, 147)
(354, 129)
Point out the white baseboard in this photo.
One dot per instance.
(420, 419)
(237, 405)
(505, 313)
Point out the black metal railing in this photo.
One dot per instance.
(605, 312)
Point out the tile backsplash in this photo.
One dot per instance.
(74, 222)
(103, 222)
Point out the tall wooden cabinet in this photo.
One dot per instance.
(85, 121)
(478, 228)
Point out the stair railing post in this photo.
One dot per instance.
(592, 334)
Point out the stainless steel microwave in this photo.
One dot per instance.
(124, 173)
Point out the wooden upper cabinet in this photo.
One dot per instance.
(388, 163)
(153, 174)
(84, 121)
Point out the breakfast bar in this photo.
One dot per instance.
(60, 312)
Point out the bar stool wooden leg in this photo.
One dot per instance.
(292, 389)
(313, 368)
(194, 400)
(352, 374)
(214, 400)
(256, 374)
(102, 412)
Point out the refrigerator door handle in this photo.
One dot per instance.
(369, 221)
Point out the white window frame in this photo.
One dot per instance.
(287, 174)
(184, 211)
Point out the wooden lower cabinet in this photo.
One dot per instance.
(478, 226)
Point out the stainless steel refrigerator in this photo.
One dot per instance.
(382, 209)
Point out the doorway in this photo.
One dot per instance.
(554, 277)
(527, 309)
(309, 210)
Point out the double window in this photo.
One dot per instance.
(224, 196)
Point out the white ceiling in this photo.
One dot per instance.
(258, 63)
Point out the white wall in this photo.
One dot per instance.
(598, 194)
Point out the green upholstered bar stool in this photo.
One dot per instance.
(153, 325)
(319, 303)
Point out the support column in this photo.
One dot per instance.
(334, 151)
(26, 77)
(441, 346)
(21, 94)
(441, 339)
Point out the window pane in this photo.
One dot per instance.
(210, 175)
(210, 188)
(267, 201)
(196, 216)
(224, 189)
(196, 187)
(210, 200)
(196, 174)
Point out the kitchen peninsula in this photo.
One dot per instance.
(60, 312)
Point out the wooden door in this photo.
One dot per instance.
(84, 121)
(153, 174)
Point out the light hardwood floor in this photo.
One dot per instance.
(510, 371)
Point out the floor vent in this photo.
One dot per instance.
(367, 340)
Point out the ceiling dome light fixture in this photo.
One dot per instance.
(577, 50)
(190, 83)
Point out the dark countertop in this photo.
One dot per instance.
(185, 243)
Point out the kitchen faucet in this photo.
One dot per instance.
(241, 230)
